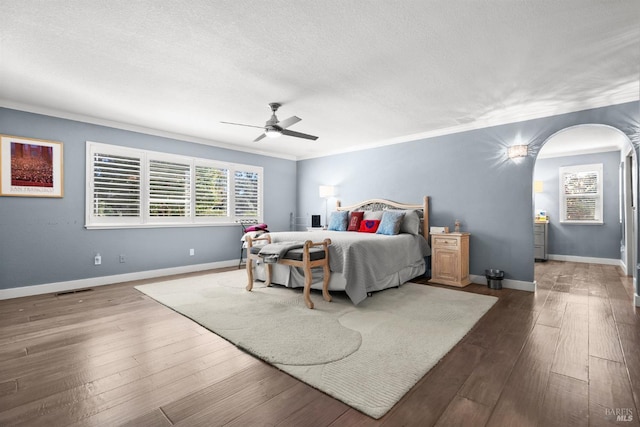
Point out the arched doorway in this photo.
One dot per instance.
(609, 236)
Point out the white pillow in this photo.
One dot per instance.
(373, 215)
(410, 223)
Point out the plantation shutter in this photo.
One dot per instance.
(246, 192)
(116, 185)
(212, 188)
(169, 189)
(581, 193)
(128, 187)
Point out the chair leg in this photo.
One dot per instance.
(249, 273)
(307, 286)
(269, 269)
(325, 282)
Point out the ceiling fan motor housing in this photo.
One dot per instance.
(274, 127)
(273, 121)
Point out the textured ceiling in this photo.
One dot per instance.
(584, 139)
(359, 73)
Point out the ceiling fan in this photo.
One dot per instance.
(273, 128)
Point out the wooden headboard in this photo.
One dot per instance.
(382, 204)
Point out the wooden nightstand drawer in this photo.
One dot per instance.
(445, 241)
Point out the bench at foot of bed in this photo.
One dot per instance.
(309, 256)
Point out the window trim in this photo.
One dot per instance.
(599, 196)
(144, 220)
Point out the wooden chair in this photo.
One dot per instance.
(309, 256)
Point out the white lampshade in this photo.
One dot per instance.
(327, 191)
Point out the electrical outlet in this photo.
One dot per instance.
(192, 252)
(121, 258)
(97, 260)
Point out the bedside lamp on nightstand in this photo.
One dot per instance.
(326, 192)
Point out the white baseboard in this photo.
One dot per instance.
(588, 260)
(623, 266)
(47, 288)
(519, 285)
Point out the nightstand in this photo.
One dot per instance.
(450, 259)
(540, 239)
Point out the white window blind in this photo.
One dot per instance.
(581, 194)
(246, 189)
(116, 185)
(169, 189)
(138, 188)
(212, 188)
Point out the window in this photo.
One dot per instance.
(169, 189)
(581, 194)
(246, 190)
(114, 181)
(127, 187)
(212, 191)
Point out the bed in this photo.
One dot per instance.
(362, 263)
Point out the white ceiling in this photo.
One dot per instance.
(584, 139)
(359, 73)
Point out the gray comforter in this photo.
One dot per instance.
(364, 258)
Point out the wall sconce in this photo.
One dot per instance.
(326, 191)
(516, 151)
(538, 186)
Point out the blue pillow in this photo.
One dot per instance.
(390, 223)
(339, 221)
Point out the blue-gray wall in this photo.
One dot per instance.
(467, 176)
(43, 240)
(598, 241)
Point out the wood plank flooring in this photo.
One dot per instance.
(567, 355)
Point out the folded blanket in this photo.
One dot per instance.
(272, 252)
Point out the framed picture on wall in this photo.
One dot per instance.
(30, 167)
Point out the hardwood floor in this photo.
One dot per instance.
(568, 355)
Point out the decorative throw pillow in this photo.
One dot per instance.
(354, 221)
(390, 224)
(369, 225)
(338, 220)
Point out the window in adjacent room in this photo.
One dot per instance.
(581, 194)
(128, 187)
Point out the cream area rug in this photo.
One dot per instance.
(368, 356)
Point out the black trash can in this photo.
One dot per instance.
(494, 278)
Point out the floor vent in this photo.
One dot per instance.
(75, 291)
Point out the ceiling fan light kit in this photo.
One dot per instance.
(274, 128)
(273, 133)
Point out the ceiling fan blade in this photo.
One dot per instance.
(260, 137)
(288, 122)
(298, 134)
(242, 124)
